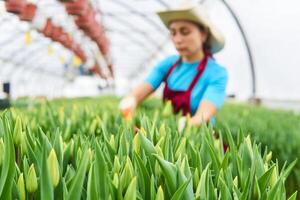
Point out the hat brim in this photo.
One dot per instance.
(216, 39)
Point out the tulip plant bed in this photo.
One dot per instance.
(276, 129)
(82, 149)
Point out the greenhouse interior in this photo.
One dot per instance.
(149, 99)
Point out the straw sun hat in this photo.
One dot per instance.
(197, 14)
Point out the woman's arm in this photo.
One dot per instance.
(212, 99)
(141, 92)
(137, 95)
(151, 83)
(205, 111)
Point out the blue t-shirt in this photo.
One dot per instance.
(211, 85)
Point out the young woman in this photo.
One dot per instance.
(194, 82)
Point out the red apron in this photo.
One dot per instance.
(181, 99)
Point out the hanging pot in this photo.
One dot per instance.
(66, 41)
(78, 7)
(15, 6)
(28, 12)
(103, 44)
(111, 69)
(94, 31)
(85, 21)
(96, 69)
(80, 53)
(56, 34)
(48, 28)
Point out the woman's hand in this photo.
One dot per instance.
(129, 103)
(205, 111)
(127, 107)
(195, 121)
(182, 122)
(187, 121)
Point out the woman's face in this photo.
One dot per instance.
(187, 37)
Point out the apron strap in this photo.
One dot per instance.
(171, 69)
(201, 68)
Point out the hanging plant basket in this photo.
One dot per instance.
(47, 30)
(28, 12)
(57, 32)
(15, 6)
(86, 21)
(66, 40)
(79, 7)
(94, 31)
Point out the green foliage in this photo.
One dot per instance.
(277, 131)
(98, 155)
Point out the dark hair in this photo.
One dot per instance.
(204, 29)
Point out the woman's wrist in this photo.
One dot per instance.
(128, 102)
(195, 121)
(127, 106)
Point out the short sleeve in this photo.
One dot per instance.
(216, 89)
(157, 75)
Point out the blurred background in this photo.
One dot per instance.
(52, 48)
(59, 50)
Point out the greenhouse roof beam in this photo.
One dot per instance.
(28, 52)
(36, 52)
(28, 69)
(164, 3)
(129, 37)
(248, 48)
(134, 29)
(135, 11)
(142, 65)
